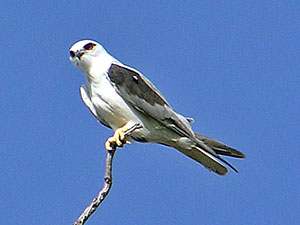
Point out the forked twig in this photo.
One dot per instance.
(107, 182)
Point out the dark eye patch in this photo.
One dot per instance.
(89, 46)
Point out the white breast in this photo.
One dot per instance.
(109, 104)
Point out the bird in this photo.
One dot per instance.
(120, 97)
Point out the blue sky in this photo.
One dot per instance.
(233, 66)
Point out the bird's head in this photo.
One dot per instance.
(83, 53)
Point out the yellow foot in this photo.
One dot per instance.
(119, 138)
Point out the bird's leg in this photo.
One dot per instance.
(119, 138)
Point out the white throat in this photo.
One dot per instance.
(98, 68)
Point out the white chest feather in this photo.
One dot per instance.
(108, 102)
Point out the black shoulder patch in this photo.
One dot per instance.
(134, 84)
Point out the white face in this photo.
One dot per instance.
(82, 54)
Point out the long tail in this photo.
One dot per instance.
(207, 152)
(219, 147)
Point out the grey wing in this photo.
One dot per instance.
(87, 101)
(140, 93)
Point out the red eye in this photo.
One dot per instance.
(89, 46)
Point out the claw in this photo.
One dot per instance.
(108, 144)
(119, 138)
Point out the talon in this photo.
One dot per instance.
(108, 144)
(119, 138)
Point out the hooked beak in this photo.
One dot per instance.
(77, 54)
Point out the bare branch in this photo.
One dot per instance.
(107, 182)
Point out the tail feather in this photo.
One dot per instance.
(219, 147)
(207, 152)
(205, 159)
(201, 145)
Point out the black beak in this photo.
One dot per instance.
(77, 54)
